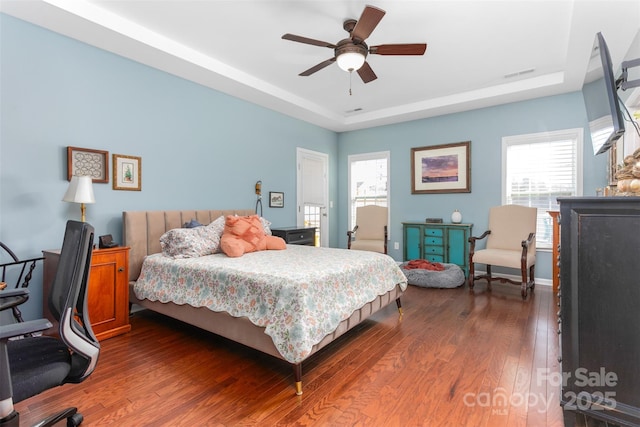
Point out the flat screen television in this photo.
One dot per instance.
(599, 91)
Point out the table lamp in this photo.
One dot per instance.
(80, 191)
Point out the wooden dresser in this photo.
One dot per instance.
(599, 310)
(108, 297)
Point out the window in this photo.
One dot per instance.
(368, 181)
(538, 168)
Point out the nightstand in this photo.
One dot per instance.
(108, 294)
(296, 235)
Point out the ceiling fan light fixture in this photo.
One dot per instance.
(350, 61)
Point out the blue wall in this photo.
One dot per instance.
(200, 149)
(485, 129)
(203, 149)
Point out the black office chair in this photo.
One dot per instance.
(31, 365)
(18, 268)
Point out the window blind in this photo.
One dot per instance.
(538, 169)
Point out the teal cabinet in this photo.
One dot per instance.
(446, 243)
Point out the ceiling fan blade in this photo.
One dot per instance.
(307, 40)
(368, 21)
(318, 67)
(399, 49)
(366, 73)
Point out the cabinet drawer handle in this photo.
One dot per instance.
(121, 269)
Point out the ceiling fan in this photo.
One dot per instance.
(351, 53)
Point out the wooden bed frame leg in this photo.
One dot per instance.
(297, 372)
(399, 304)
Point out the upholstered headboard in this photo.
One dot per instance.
(141, 230)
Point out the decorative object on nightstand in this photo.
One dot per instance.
(108, 294)
(296, 235)
(434, 220)
(80, 190)
(456, 217)
(437, 242)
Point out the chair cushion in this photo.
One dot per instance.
(368, 245)
(510, 225)
(503, 257)
(371, 221)
(37, 364)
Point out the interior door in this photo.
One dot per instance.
(313, 193)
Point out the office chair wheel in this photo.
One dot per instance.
(75, 420)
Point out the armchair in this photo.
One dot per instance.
(370, 231)
(510, 243)
(33, 364)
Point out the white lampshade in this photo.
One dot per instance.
(80, 191)
(350, 61)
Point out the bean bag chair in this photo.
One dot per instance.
(450, 276)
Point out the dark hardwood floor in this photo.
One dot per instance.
(454, 359)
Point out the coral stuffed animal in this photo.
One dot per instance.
(244, 234)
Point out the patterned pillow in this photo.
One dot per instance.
(214, 231)
(266, 224)
(185, 243)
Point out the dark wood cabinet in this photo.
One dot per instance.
(296, 235)
(555, 251)
(108, 297)
(600, 310)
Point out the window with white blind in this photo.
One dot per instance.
(368, 181)
(539, 168)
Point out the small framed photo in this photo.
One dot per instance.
(441, 168)
(88, 162)
(276, 199)
(127, 172)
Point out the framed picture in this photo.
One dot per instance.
(127, 172)
(441, 168)
(85, 161)
(276, 199)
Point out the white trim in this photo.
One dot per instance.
(324, 219)
(574, 135)
(533, 138)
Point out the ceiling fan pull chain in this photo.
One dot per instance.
(350, 75)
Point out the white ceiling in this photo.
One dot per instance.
(236, 47)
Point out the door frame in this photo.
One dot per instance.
(301, 154)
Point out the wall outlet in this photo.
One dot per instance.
(396, 245)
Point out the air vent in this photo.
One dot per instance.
(519, 73)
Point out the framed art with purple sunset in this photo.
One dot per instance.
(441, 168)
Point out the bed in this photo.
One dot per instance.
(275, 307)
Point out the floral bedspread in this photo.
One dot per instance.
(299, 295)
